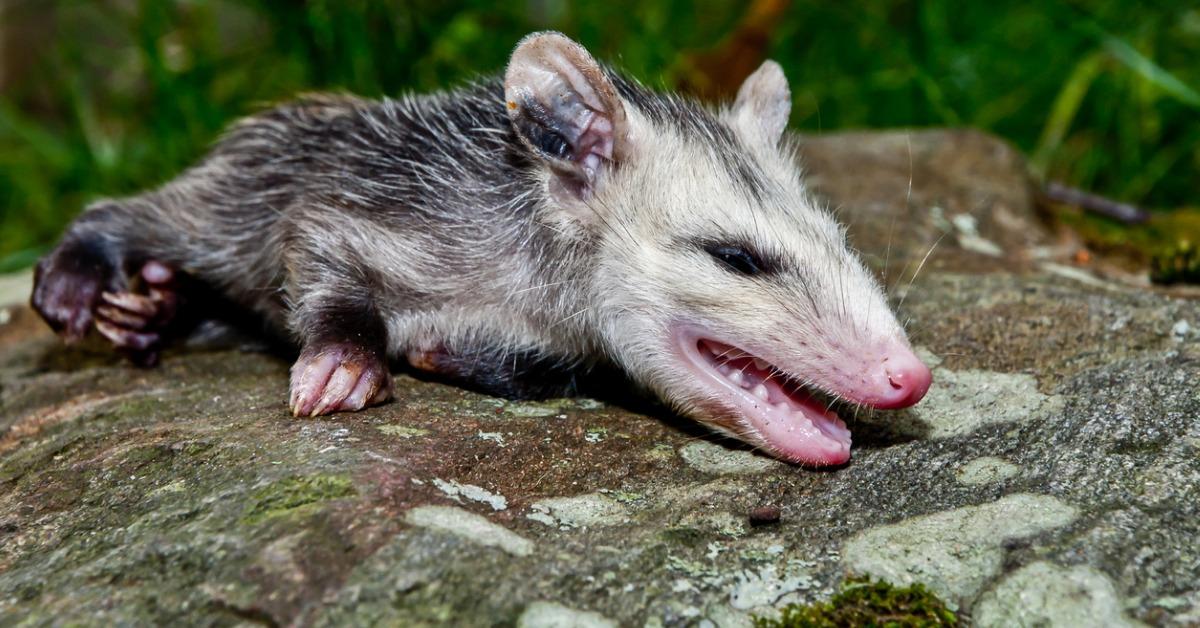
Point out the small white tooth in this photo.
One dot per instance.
(724, 369)
(760, 391)
(761, 364)
(736, 377)
(783, 407)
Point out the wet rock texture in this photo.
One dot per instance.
(1051, 476)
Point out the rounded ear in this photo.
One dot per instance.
(764, 101)
(564, 108)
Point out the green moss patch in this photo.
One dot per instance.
(286, 496)
(862, 602)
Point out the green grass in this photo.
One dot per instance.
(117, 96)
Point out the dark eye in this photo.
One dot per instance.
(737, 258)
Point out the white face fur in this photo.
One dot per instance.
(722, 286)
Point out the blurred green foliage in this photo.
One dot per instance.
(106, 97)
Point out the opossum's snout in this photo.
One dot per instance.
(898, 380)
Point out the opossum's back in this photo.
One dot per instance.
(409, 153)
(278, 150)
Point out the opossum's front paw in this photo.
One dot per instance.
(338, 378)
(66, 286)
(136, 323)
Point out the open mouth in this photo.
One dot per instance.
(791, 419)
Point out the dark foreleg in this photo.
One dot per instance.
(343, 340)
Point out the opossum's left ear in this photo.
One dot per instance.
(764, 101)
(565, 108)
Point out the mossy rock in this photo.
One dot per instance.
(289, 495)
(863, 602)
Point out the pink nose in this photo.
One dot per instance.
(909, 380)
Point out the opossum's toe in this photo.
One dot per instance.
(310, 373)
(160, 280)
(126, 338)
(338, 379)
(138, 304)
(134, 335)
(122, 317)
(373, 387)
(338, 388)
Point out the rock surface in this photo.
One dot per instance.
(1051, 476)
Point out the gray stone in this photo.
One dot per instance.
(551, 615)
(1043, 594)
(593, 509)
(471, 492)
(986, 470)
(766, 587)
(964, 401)
(714, 459)
(954, 552)
(469, 526)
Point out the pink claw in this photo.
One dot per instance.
(124, 338)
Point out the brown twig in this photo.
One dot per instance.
(1124, 212)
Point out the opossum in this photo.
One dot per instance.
(513, 234)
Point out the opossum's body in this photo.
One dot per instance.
(511, 234)
(420, 209)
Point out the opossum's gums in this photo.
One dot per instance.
(768, 402)
(787, 413)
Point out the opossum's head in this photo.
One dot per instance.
(717, 280)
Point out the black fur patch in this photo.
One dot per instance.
(350, 320)
(519, 374)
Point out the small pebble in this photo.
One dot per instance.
(764, 515)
